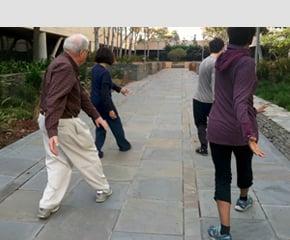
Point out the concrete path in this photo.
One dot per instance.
(162, 189)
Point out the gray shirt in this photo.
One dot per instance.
(205, 89)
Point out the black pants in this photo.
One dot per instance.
(118, 132)
(200, 113)
(221, 156)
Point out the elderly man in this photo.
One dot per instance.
(67, 139)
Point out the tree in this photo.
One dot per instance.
(212, 32)
(175, 36)
(97, 40)
(177, 54)
(277, 41)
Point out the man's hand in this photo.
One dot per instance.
(262, 108)
(255, 147)
(101, 122)
(125, 91)
(112, 114)
(53, 144)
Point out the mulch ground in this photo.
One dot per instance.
(16, 130)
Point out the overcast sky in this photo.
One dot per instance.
(188, 32)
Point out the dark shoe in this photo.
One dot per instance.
(202, 151)
(214, 234)
(45, 213)
(101, 154)
(125, 149)
(242, 206)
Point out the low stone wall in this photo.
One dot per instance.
(194, 66)
(138, 71)
(274, 123)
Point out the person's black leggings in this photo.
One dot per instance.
(221, 156)
(200, 113)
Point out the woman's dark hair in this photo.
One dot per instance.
(104, 55)
(216, 45)
(241, 35)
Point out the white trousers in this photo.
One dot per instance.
(77, 149)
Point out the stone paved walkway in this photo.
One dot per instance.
(162, 189)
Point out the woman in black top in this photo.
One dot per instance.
(101, 97)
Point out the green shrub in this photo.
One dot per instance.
(274, 71)
(12, 66)
(117, 73)
(274, 81)
(177, 54)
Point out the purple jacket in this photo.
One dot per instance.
(232, 119)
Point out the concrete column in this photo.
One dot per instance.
(39, 45)
(42, 46)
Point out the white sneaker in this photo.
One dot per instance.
(102, 195)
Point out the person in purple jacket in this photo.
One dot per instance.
(232, 126)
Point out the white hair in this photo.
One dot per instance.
(76, 43)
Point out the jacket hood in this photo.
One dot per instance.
(232, 53)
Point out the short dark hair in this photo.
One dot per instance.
(216, 45)
(105, 55)
(241, 35)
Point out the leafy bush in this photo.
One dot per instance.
(8, 67)
(274, 81)
(277, 42)
(117, 73)
(177, 54)
(128, 60)
(274, 71)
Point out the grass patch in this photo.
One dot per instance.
(278, 93)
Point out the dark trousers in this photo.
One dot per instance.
(221, 156)
(200, 113)
(118, 132)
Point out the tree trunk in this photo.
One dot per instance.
(97, 40)
(131, 44)
(121, 42)
(117, 41)
(112, 40)
(104, 36)
(126, 41)
(108, 37)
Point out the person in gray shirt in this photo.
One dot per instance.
(204, 95)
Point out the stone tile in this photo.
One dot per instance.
(273, 192)
(79, 223)
(138, 236)
(21, 205)
(119, 173)
(148, 216)
(271, 172)
(131, 158)
(159, 169)
(39, 181)
(241, 229)
(279, 218)
(166, 189)
(157, 154)
(166, 143)
(205, 180)
(192, 225)
(83, 196)
(10, 230)
(209, 209)
(30, 151)
(4, 180)
(14, 166)
(202, 162)
(161, 133)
